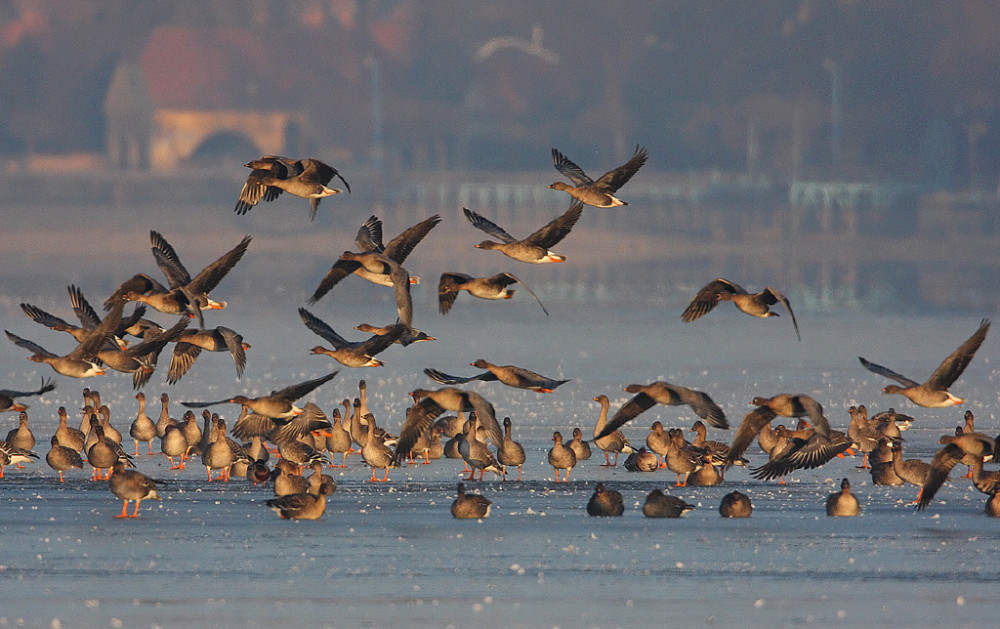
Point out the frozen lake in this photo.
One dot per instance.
(392, 555)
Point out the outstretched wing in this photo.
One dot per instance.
(443, 378)
(614, 179)
(401, 246)
(887, 373)
(629, 411)
(510, 276)
(556, 229)
(321, 328)
(772, 297)
(708, 298)
(483, 224)
(570, 170)
(749, 427)
(953, 366)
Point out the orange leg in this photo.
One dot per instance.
(124, 510)
(566, 476)
(209, 474)
(519, 473)
(427, 457)
(385, 479)
(150, 447)
(557, 473)
(60, 477)
(607, 459)
(135, 512)
(373, 480)
(136, 453)
(472, 473)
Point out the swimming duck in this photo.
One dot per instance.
(661, 505)
(561, 457)
(304, 178)
(369, 240)
(600, 193)
(493, 287)
(190, 343)
(934, 392)
(753, 304)
(535, 248)
(735, 504)
(511, 375)
(470, 506)
(347, 353)
(842, 503)
(605, 502)
(131, 485)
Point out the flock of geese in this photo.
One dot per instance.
(307, 438)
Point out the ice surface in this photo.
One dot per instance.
(211, 554)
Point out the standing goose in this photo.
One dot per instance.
(369, 240)
(304, 178)
(609, 441)
(142, 428)
(535, 248)
(843, 503)
(580, 447)
(470, 506)
(661, 505)
(9, 403)
(934, 393)
(561, 457)
(375, 453)
(21, 437)
(60, 458)
(347, 353)
(475, 453)
(863, 432)
(278, 405)
(648, 396)
(510, 452)
(339, 441)
(131, 485)
(753, 304)
(600, 193)
(173, 443)
(72, 438)
(658, 442)
(190, 344)
(511, 375)
(605, 502)
(493, 287)
(682, 457)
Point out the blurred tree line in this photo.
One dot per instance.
(873, 89)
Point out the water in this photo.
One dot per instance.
(391, 554)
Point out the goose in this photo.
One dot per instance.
(369, 240)
(9, 403)
(304, 178)
(511, 375)
(190, 343)
(605, 502)
(510, 452)
(60, 458)
(600, 193)
(279, 404)
(81, 362)
(661, 505)
(131, 485)
(535, 248)
(648, 396)
(934, 392)
(300, 506)
(347, 353)
(142, 428)
(753, 304)
(842, 503)
(955, 447)
(561, 457)
(735, 504)
(470, 506)
(492, 287)
(613, 441)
